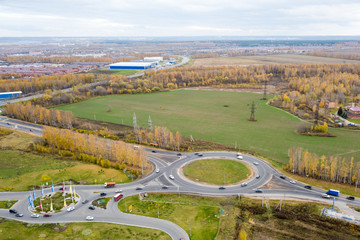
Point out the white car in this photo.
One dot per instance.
(118, 191)
(89, 218)
(292, 181)
(256, 163)
(171, 177)
(157, 170)
(35, 215)
(240, 157)
(70, 209)
(244, 184)
(324, 195)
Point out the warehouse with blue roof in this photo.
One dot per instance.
(9, 95)
(132, 65)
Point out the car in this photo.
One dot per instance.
(164, 187)
(8, 123)
(350, 198)
(240, 157)
(13, 211)
(139, 188)
(47, 215)
(91, 207)
(60, 189)
(35, 215)
(222, 188)
(171, 177)
(30, 130)
(196, 153)
(324, 195)
(153, 151)
(89, 218)
(308, 187)
(69, 209)
(292, 181)
(179, 154)
(256, 163)
(244, 184)
(282, 177)
(19, 215)
(118, 191)
(352, 124)
(102, 194)
(157, 170)
(258, 176)
(200, 155)
(258, 191)
(85, 201)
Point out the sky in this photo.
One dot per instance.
(123, 18)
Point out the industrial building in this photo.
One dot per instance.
(153, 59)
(132, 65)
(9, 95)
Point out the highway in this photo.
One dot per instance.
(169, 163)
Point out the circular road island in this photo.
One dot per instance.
(216, 171)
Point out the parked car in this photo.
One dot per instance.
(35, 215)
(157, 170)
(91, 207)
(102, 194)
(47, 215)
(139, 188)
(324, 195)
(85, 201)
(350, 198)
(13, 211)
(171, 177)
(258, 191)
(308, 187)
(222, 188)
(282, 177)
(118, 191)
(292, 181)
(19, 215)
(89, 218)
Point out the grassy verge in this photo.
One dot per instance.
(201, 214)
(216, 171)
(7, 204)
(20, 171)
(124, 72)
(101, 202)
(16, 230)
(57, 199)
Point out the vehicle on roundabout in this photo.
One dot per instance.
(13, 211)
(118, 191)
(69, 209)
(258, 176)
(85, 201)
(157, 170)
(255, 163)
(282, 177)
(35, 215)
(89, 218)
(222, 188)
(47, 215)
(240, 157)
(102, 194)
(308, 187)
(164, 187)
(244, 184)
(179, 154)
(259, 191)
(171, 177)
(138, 188)
(91, 207)
(19, 215)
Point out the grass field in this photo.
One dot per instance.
(198, 213)
(98, 231)
(7, 204)
(202, 114)
(19, 170)
(357, 121)
(216, 171)
(124, 72)
(268, 59)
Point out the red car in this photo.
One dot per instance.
(47, 215)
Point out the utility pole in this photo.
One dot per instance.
(224, 178)
(317, 113)
(265, 90)
(252, 115)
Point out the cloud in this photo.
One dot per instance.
(178, 18)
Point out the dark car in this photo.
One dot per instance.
(153, 151)
(13, 211)
(60, 189)
(258, 191)
(102, 194)
(350, 198)
(19, 215)
(85, 201)
(179, 154)
(258, 176)
(138, 188)
(308, 187)
(282, 177)
(91, 207)
(222, 188)
(164, 187)
(47, 215)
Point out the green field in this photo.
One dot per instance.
(7, 204)
(124, 72)
(21, 170)
(202, 114)
(99, 231)
(216, 171)
(198, 213)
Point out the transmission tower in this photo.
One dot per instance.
(252, 115)
(150, 124)
(317, 113)
(265, 89)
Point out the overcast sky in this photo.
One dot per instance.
(179, 17)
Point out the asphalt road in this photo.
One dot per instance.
(168, 163)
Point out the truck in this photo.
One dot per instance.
(333, 192)
(109, 184)
(117, 197)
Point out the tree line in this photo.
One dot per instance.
(81, 145)
(329, 168)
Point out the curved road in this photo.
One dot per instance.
(169, 163)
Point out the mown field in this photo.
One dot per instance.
(203, 115)
(269, 59)
(216, 171)
(124, 72)
(16, 230)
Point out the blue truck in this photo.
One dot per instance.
(333, 192)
